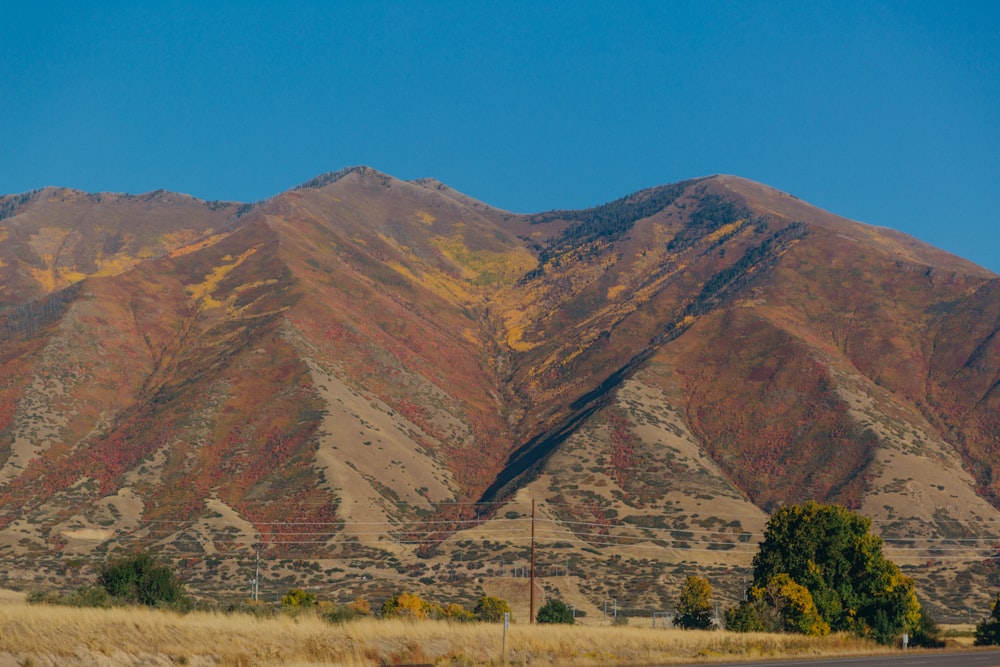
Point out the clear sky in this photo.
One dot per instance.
(885, 112)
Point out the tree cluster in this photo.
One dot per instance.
(134, 579)
(138, 579)
(488, 609)
(820, 569)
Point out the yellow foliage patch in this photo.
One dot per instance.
(438, 283)
(187, 247)
(112, 266)
(68, 276)
(686, 322)
(485, 267)
(514, 342)
(44, 277)
(52, 279)
(425, 217)
(725, 230)
(202, 292)
(614, 291)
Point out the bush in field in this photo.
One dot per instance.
(348, 612)
(491, 609)
(409, 605)
(297, 598)
(458, 613)
(138, 579)
(555, 611)
(361, 606)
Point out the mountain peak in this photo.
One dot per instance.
(329, 177)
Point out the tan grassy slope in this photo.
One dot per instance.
(43, 635)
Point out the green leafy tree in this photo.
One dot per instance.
(297, 598)
(694, 604)
(828, 550)
(988, 629)
(491, 609)
(555, 611)
(138, 579)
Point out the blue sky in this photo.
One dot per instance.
(887, 113)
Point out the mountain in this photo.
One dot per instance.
(376, 379)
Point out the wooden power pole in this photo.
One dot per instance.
(532, 596)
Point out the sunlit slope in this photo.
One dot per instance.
(54, 237)
(802, 351)
(367, 351)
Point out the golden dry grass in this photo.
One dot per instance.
(47, 635)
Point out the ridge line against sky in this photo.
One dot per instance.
(883, 112)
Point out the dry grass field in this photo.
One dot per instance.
(50, 635)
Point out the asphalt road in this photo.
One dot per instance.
(902, 659)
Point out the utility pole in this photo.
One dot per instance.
(532, 596)
(256, 574)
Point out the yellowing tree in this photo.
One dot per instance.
(794, 605)
(694, 605)
(408, 605)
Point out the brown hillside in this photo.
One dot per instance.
(344, 371)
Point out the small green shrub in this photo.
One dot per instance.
(555, 611)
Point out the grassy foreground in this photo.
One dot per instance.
(49, 635)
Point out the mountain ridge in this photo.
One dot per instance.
(361, 349)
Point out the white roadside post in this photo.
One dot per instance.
(506, 623)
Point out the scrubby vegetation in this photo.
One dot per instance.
(134, 579)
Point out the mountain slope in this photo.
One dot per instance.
(349, 367)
